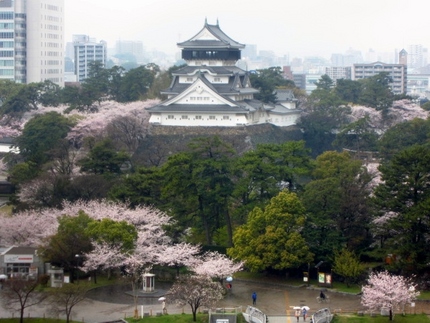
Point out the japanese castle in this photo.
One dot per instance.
(212, 91)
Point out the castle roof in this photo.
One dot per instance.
(211, 36)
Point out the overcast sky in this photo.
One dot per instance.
(294, 27)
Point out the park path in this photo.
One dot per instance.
(274, 300)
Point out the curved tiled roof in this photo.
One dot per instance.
(222, 40)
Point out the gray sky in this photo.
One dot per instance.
(294, 27)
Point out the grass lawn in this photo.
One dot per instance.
(35, 320)
(412, 318)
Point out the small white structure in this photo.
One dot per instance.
(148, 282)
(56, 276)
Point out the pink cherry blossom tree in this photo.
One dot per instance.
(195, 291)
(216, 265)
(384, 290)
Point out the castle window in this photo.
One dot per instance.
(217, 79)
(184, 117)
(198, 117)
(212, 118)
(189, 79)
(225, 118)
(170, 116)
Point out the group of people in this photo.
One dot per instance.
(303, 312)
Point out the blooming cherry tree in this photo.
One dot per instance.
(195, 291)
(216, 265)
(386, 290)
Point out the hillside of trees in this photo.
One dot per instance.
(278, 201)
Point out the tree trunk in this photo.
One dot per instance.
(391, 314)
(194, 315)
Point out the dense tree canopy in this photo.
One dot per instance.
(271, 238)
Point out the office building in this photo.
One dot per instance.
(31, 40)
(87, 50)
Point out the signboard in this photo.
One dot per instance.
(324, 279)
(18, 259)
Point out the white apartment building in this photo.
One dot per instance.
(397, 72)
(31, 40)
(87, 50)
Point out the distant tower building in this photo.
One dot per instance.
(287, 73)
(31, 40)
(128, 47)
(403, 57)
(418, 56)
(87, 51)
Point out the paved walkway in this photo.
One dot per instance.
(274, 300)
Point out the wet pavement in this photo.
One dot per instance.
(111, 303)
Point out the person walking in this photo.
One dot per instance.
(304, 313)
(254, 298)
(297, 314)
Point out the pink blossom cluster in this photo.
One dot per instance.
(400, 111)
(216, 265)
(384, 290)
(10, 128)
(94, 124)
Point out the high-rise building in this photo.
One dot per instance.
(87, 50)
(31, 40)
(126, 48)
(417, 56)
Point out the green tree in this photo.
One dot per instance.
(70, 240)
(113, 233)
(266, 81)
(337, 201)
(271, 238)
(143, 187)
(376, 92)
(42, 134)
(103, 158)
(261, 173)
(137, 81)
(403, 202)
(402, 136)
(347, 265)
(348, 91)
(325, 114)
(198, 186)
(357, 136)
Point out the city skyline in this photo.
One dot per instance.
(297, 29)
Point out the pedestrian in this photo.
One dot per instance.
(164, 307)
(304, 313)
(297, 314)
(254, 298)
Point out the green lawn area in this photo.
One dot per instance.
(36, 320)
